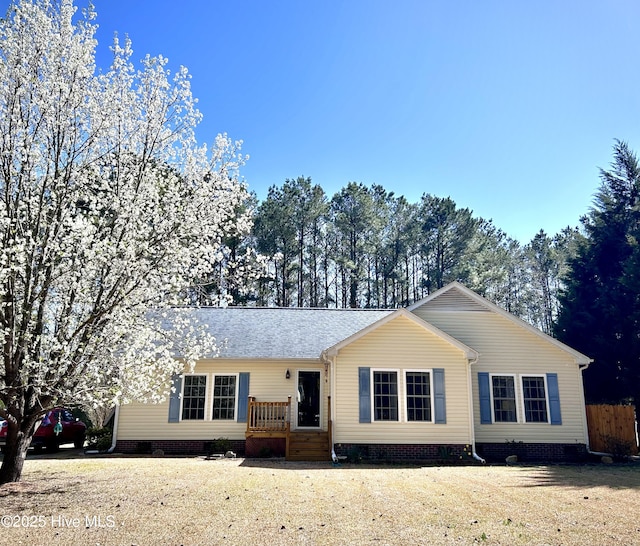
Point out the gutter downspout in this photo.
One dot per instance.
(332, 389)
(330, 361)
(471, 416)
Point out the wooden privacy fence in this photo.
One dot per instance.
(612, 429)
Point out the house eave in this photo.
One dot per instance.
(265, 358)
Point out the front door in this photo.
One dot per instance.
(308, 398)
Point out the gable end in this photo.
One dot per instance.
(455, 300)
(474, 302)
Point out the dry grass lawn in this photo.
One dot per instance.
(157, 501)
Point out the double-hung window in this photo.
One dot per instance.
(385, 395)
(504, 398)
(418, 385)
(224, 397)
(534, 396)
(193, 397)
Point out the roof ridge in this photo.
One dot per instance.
(263, 308)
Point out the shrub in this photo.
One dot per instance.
(220, 445)
(355, 455)
(620, 449)
(99, 438)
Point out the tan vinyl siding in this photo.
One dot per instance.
(506, 347)
(267, 383)
(401, 345)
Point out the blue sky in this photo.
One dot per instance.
(508, 107)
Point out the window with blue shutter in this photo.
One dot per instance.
(243, 397)
(534, 398)
(174, 399)
(484, 388)
(554, 399)
(439, 398)
(364, 394)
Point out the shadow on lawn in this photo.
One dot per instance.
(35, 489)
(616, 476)
(65, 452)
(578, 476)
(281, 463)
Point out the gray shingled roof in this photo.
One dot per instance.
(282, 332)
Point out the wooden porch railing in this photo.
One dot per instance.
(269, 416)
(273, 420)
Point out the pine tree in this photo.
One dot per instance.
(600, 307)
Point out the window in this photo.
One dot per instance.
(538, 398)
(418, 396)
(504, 399)
(193, 396)
(535, 399)
(224, 397)
(385, 396)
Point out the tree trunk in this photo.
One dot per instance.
(15, 453)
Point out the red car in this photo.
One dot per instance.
(58, 427)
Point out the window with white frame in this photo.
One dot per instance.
(193, 397)
(534, 396)
(224, 397)
(418, 393)
(504, 398)
(385, 395)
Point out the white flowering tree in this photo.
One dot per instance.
(108, 210)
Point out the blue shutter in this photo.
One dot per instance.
(439, 397)
(485, 398)
(364, 393)
(174, 399)
(554, 399)
(243, 397)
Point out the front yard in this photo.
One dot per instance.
(145, 501)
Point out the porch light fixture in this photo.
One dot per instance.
(287, 374)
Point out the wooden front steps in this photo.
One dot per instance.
(308, 446)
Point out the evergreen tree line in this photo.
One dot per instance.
(366, 247)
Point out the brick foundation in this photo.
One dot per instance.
(498, 452)
(491, 452)
(405, 452)
(174, 447)
(265, 447)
